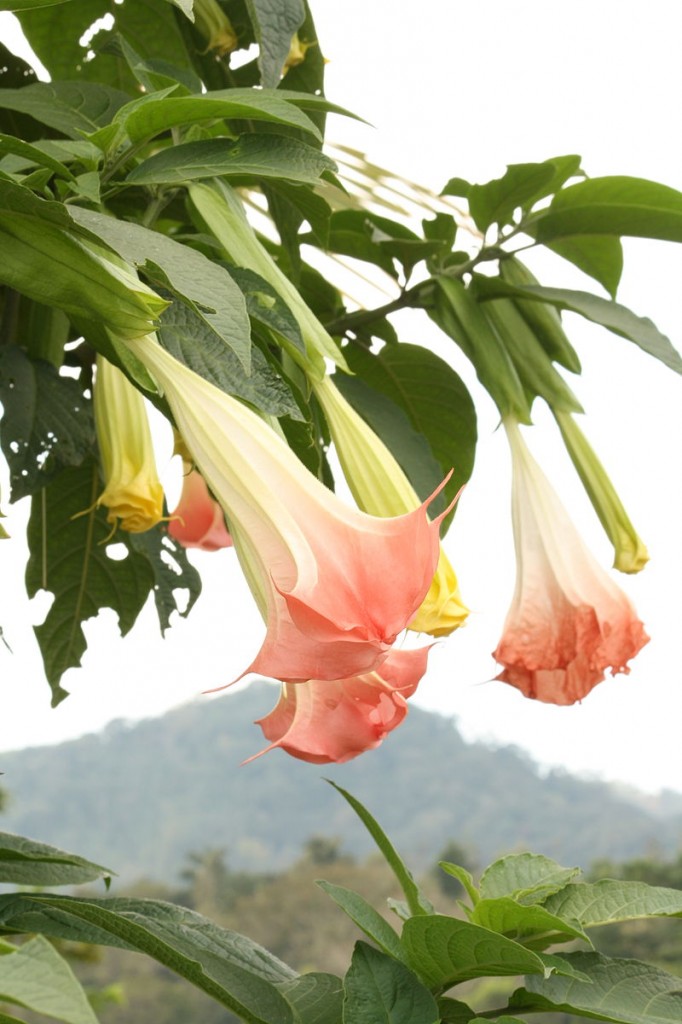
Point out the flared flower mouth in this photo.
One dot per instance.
(335, 585)
(568, 623)
(325, 722)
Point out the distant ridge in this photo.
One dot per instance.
(140, 797)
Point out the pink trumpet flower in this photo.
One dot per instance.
(568, 622)
(335, 585)
(322, 722)
(198, 521)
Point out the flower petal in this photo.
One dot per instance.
(322, 722)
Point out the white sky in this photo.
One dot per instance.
(463, 91)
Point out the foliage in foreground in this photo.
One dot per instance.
(517, 921)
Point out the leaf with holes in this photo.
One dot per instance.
(69, 557)
(172, 571)
(47, 422)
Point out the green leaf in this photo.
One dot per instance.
(366, 918)
(496, 201)
(214, 296)
(253, 155)
(458, 187)
(452, 1011)
(317, 998)
(274, 23)
(464, 877)
(10, 144)
(68, 557)
(171, 568)
(619, 991)
(143, 121)
(526, 877)
(444, 951)
(27, 862)
(73, 108)
(184, 335)
(417, 901)
(230, 968)
(28, 5)
(522, 922)
(379, 990)
(37, 977)
(610, 900)
(600, 256)
(47, 422)
(437, 403)
(611, 206)
(497, 1020)
(616, 318)
(151, 25)
(265, 305)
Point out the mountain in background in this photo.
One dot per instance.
(140, 797)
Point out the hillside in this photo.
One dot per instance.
(140, 797)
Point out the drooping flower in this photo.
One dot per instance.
(132, 491)
(322, 722)
(198, 521)
(381, 488)
(339, 585)
(568, 622)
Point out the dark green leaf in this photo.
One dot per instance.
(366, 918)
(216, 299)
(379, 990)
(274, 23)
(171, 568)
(184, 335)
(150, 26)
(252, 156)
(444, 951)
(316, 998)
(609, 314)
(37, 977)
(611, 206)
(47, 422)
(611, 900)
(265, 305)
(10, 144)
(73, 108)
(68, 557)
(620, 991)
(307, 206)
(452, 1011)
(28, 5)
(230, 968)
(437, 403)
(526, 877)
(27, 862)
(143, 121)
(417, 901)
(506, 1019)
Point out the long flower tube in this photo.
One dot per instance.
(340, 585)
(325, 722)
(132, 493)
(568, 622)
(381, 488)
